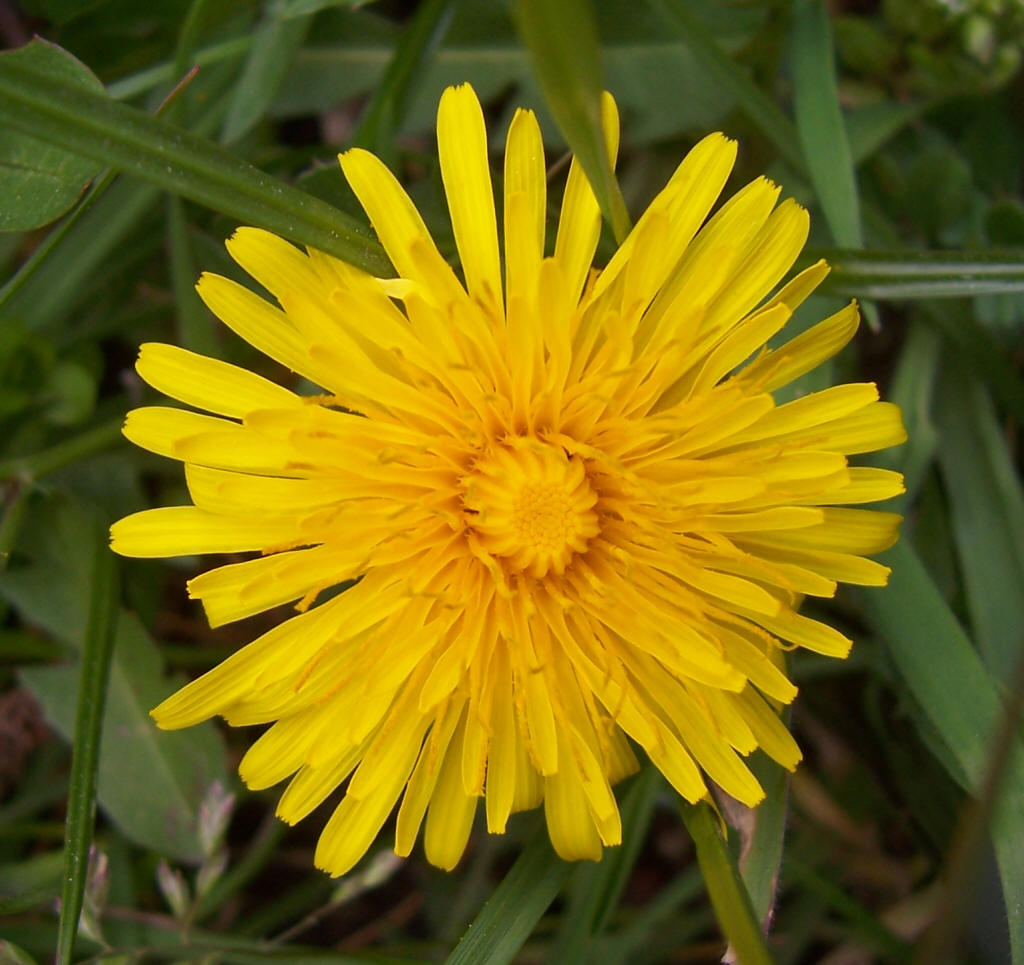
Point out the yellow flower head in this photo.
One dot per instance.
(575, 518)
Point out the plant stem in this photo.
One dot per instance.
(729, 897)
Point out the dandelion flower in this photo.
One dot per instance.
(574, 519)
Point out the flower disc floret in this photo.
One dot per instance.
(530, 503)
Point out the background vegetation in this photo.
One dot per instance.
(900, 123)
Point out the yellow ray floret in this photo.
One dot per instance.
(566, 516)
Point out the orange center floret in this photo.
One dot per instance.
(532, 505)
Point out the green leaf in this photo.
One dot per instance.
(514, 908)
(274, 45)
(30, 882)
(729, 896)
(819, 121)
(177, 161)
(50, 584)
(942, 671)
(42, 181)
(151, 783)
(561, 36)
(82, 725)
(987, 510)
(52, 280)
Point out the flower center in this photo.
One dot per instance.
(531, 504)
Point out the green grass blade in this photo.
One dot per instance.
(596, 888)
(48, 284)
(762, 853)
(149, 78)
(61, 454)
(39, 257)
(632, 942)
(872, 932)
(872, 126)
(179, 162)
(980, 352)
(99, 645)
(820, 123)
(899, 275)
(514, 908)
(194, 328)
(274, 45)
(912, 388)
(966, 851)
(942, 671)
(561, 36)
(760, 109)
(729, 896)
(192, 26)
(422, 35)
(987, 512)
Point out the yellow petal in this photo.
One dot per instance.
(683, 204)
(185, 530)
(571, 826)
(356, 823)
(772, 736)
(525, 204)
(866, 485)
(262, 326)
(421, 785)
(805, 352)
(769, 256)
(709, 262)
(208, 383)
(462, 150)
(241, 589)
(313, 785)
(807, 633)
(160, 428)
(503, 757)
(275, 263)
(280, 751)
(750, 659)
(450, 815)
(221, 491)
(858, 531)
(398, 224)
(280, 652)
(579, 224)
